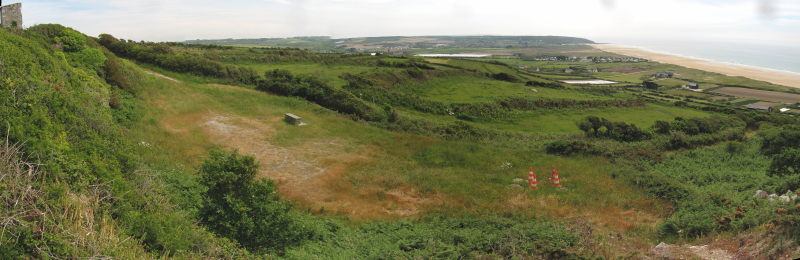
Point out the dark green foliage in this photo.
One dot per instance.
(538, 103)
(786, 163)
(505, 77)
(244, 209)
(662, 127)
(620, 131)
(481, 111)
(161, 54)
(444, 238)
(565, 147)
(650, 85)
(718, 189)
(778, 139)
(734, 147)
(284, 82)
(553, 85)
(708, 125)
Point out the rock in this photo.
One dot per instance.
(518, 180)
(761, 194)
(773, 197)
(515, 186)
(661, 245)
(785, 198)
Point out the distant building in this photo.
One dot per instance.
(569, 70)
(524, 67)
(592, 70)
(692, 86)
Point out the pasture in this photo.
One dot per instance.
(764, 95)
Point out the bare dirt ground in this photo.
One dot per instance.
(745, 247)
(312, 173)
(759, 94)
(153, 73)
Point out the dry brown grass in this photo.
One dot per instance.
(77, 220)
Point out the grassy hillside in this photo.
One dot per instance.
(151, 150)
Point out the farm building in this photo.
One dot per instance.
(592, 70)
(569, 70)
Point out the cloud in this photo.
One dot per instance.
(598, 19)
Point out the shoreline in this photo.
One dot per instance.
(777, 77)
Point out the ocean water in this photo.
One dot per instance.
(766, 55)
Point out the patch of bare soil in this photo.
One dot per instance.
(156, 74)
(312, 173)
(745, 246)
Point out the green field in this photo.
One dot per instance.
(465, 89)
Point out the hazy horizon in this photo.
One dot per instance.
(774, 21)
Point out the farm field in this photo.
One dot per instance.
(464, 89)
(759, 94)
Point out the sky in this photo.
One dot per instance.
(772, 21)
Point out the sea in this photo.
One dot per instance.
(771, 56)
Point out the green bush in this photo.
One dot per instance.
(241, 208)
(786, 163)
(71, 40)
(566, 147)
(444, 238)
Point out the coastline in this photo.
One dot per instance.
(788, 79)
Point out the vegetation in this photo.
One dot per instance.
(241, 208)
(108, 140)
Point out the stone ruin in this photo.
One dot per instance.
(11, 15)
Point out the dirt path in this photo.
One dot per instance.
(313, 173)
(156, 74)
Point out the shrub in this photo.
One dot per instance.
(505, 77)
(565, 147)
(71, 40)
(241, 208)
(786, 163)
(620, 131)
(777, 139)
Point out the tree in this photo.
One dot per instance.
(786, 163)
(243, 209)
(650, 85)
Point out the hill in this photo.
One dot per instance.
(146, 150)
(399, 43)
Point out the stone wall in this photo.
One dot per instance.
(11, 15)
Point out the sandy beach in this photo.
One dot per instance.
(775, 77)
